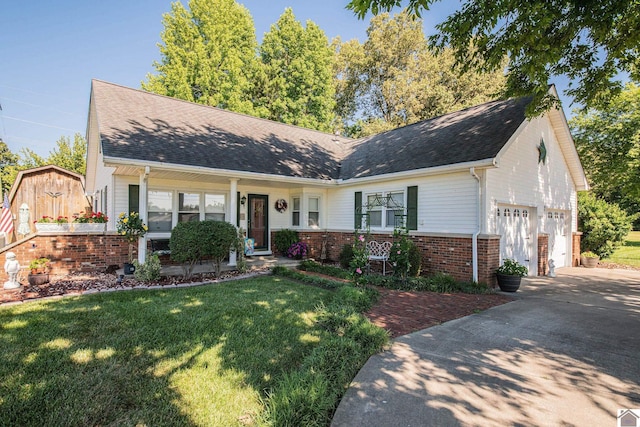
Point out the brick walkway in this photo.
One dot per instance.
(401, 312)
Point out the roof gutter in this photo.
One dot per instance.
(456, 167)
(171, 167)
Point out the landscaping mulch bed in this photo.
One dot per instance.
(80, 283)
(401, 312)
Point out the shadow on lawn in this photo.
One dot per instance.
(114, 359)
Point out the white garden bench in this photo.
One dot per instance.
(377, 251)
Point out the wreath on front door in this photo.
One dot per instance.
(281, 205)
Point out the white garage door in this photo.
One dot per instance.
(556, 227)
(515, 233)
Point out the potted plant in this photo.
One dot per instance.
(510, 274)
(90, 221)
(39, 272)
(131, 227)
(589, 259)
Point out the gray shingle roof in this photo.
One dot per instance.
(476, 133)
(138, 125)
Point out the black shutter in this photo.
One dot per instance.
(238, 209)
(412, 208)
(357, 218)
(134, 198)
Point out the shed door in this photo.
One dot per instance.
(515, 233)
(556, 227)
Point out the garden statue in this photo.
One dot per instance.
(552, 268)
(12, 267)
(24, 225)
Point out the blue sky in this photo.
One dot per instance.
(50, 51)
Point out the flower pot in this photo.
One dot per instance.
(38, 279)
(85, 227)
(129, 268)
(52, 227)
(508, 283)
(589, 262)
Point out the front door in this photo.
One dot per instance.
(258, 222)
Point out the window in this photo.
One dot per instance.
(160, 207)
(188, 207)
(314, 212)
(385, 210)
(295, 212)
(214, 207)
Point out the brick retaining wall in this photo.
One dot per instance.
(70, 252)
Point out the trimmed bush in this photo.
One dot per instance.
(604, 225)
(415, 259)
(283, 239)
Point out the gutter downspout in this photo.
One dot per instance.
(474, 239)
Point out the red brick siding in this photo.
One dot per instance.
(575, 249)
(444, 254)
(543, 254)
(71, 252)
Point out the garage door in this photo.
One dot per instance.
(556, 227)
(515, 233)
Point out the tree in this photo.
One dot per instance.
(208, 55)
(393, 79)
(604, 225)
(69, 156)
(588, 41)
(8, 161)
(608, 142)
(297, 80)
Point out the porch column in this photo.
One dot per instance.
(142, 206)
(233, 207)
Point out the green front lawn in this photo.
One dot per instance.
(218, 355)
(629, 253)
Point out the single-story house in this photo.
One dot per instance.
(473, 187)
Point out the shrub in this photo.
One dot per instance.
(283, 239)
(346, 255)
(219, 238)
(187, 245)
(149, 271)
(604, 225)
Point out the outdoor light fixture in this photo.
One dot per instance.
(243, 200)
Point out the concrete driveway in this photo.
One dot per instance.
(565, 352)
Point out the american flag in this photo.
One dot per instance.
(6, 219)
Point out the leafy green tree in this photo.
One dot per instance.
(297, 80)
(604, 225)
(588, 41)
(608, 141)
(8, 161)
(208, 55)
(393, 79)
(70, 156)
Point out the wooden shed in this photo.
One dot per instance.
(47, 190)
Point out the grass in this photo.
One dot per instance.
(629, 253)
(221, 355)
